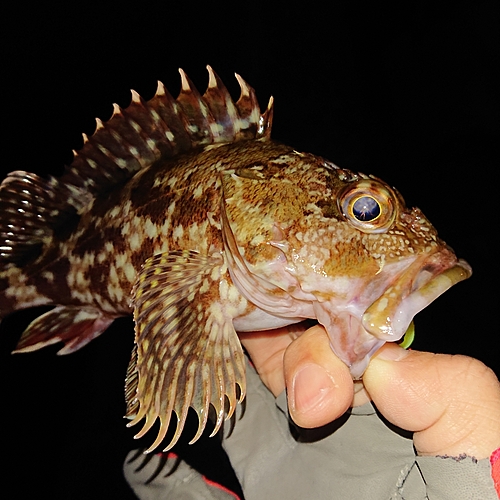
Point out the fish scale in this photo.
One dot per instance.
(184, 213)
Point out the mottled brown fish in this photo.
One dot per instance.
(185, 213)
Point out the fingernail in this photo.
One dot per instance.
(392, 353)
(310, 387)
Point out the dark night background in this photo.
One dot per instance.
(409, 94)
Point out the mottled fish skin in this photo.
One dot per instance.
(185, 213)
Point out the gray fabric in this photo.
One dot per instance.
(357, 457)
(158, 478)
(472, 479)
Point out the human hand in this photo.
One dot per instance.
(451, 403)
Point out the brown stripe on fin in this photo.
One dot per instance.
(188, 353)
(137, 136)
(31, 208)
(74, 326)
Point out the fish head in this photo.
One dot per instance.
(306, 239)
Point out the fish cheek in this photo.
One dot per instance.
(255, 208)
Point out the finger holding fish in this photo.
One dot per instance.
(451, 403)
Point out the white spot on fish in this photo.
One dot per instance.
(198, 192)
(113, 275)
(115, 211)
(233, 294)
(205, 286)
(120, 259)
(92, 163)
(126, 207)
(80, 278)
(49, 276)
(150, 228)
(178, 232)
(129, 271)
(382, 304)
(101, 257)
(215, 312)
(83, 315)
(136, 221)
(135, 241)
(119, 294)
(257, 240)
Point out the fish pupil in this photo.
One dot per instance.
(366, 209)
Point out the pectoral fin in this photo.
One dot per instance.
(187, 352)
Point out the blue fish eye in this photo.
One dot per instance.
(366, 209)
(368, 205)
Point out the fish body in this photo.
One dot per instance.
(186, 214)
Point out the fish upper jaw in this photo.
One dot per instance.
(388, 317)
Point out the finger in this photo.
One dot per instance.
(452, 403)
(266, 350)
(320, 387)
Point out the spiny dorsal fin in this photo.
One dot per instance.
(132, 139)
(163, 127)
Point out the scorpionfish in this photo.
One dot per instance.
(186, 214)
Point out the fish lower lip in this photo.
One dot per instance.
(389, 316)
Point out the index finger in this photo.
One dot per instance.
(320, 387)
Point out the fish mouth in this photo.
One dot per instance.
(356, 336)
(426, 279)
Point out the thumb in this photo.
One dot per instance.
(452, 403)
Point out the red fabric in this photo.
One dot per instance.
(167, 455)
(171, 454)
(220, 487)
(495, 469)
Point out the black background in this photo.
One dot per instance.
(405, 91)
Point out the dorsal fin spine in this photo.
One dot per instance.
(140, 134)
(131, 140)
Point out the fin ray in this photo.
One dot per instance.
(31, 208)
(136, 136)
(74, 326)
(183, 345)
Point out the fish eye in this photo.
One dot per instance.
(366, 209)
(369, 205)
